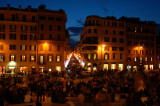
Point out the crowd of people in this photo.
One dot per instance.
(138, 88)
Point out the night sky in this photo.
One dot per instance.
(78, 10)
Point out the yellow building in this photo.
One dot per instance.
(32, 40)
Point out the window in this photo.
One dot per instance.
(12, 36)
(114, 32)
(42, 26)
(23, 36)
(12, 28)
(23, 58)
(58, 58)
(41, 59)
(114, 40)
(1, 47)
(12, 58)
(121, 32)
(129, 43)
(135, 43)
(106, 56)
(58, 37)
(121, 40)
(152, 52)
(106, 32)
(24, 18)
(59, 28)
(2, 36)
(24, 28)
(114, 24)
(58, 47)
(59, 19)
(23, 47)
(141, 59)
(151, 58)
(141, 51)
(33, 29)
(121, 56)
(146, 51)
(129, 51)
(135, 59)
(94, 56)
(1, 57)
(106, 39)
(50, 27)
(145, 58)
(135, 51)
(129, 59)
(33, 58)
(41, 37)
(89, 30)
(12, 47)
(32, 47)
(32, 37)
(121, 48)
(113, 55)
(33, 18)
(13, 17)
(50, 58)
(89, 56)
(50, 37)
(2, 28)
(42, 17)
(1, 16)
(95, 30)
(50, 18)
(114, 48)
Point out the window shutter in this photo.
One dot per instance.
(9, 57)
(30, 58)
(60, 58)
(48, 58)
(26, 58)
(20, 57)
(25, 47)
(21, 47)
(15, 58)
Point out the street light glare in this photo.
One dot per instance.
(45, 43)
(103, 45)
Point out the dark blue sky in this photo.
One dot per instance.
(78, 10)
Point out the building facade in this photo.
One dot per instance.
(125, 43)
(32, 40)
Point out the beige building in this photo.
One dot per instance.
(103, 43)
(32, 40)
(125, 43)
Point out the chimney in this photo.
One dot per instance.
(8, 6)
(19, 7)
(29, 8)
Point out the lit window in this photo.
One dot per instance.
(151, 59)
(106, 56)
(23, 58)
(33, 47)
(1, 57)
(23, 47)
(135, 59)
(50, 70)
(58, 58)
(89, 56)
(58, 68)
(94, 56)
(41, 59)
(145, 58)
(49, 58)
(140, 59)
(33, 58)
(12, 58)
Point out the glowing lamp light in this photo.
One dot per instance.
(141, 47)
(103, 45)
(45, 43)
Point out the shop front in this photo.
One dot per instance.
(2, 70)
(23, 70)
